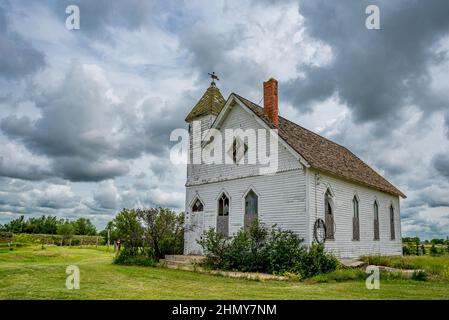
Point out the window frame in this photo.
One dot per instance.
(355, 218)
(376, 221)
(220, 198)
(196, 199)
(392, 223)
(232, 151)
(328, 203)
(256, 203)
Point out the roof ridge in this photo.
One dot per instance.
(346, 168)
(312, 132)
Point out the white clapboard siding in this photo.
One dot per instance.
(237, 118)
(343, 193)
(281, 200)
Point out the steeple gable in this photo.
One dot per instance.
(210, 103)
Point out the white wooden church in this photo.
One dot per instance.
(316, 180)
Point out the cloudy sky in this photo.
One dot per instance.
(85, 115)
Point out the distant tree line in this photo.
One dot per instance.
(433, 241)
(50, 225)
(415, 246)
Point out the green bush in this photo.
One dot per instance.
(316, 261)
(126, 257)
(283, 251)
(247, 250)
(257, 249)
(215, 247)
(234, 254)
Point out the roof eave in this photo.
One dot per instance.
(397, 193)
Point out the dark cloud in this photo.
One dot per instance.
(79, 169)
(147, 126)
(441, 163)
(392, 168)
(74, 129)
(86, 134)
(16, 127)
(375, 72)
(436, 195)
(97, 17)
(210, 51)
(21, 170)
(18, 57)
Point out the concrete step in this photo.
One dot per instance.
(179, 262)
(352, 263)
(184, 262)
(181, 258)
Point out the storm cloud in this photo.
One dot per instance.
(18, 57)
(441, 164)
(376, 73)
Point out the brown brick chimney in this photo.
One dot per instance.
(270, 100)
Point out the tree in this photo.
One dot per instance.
(411, 240)
(42, 225)
(163, 230)
(423, 250)
(113, 233)
(83, 226)
(16, 225)
(130, 230)
(50, 225)
(66, 231)
(437, 241)
(433, 249)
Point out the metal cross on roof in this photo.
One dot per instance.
(214, 77)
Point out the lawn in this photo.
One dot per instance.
(36, 273)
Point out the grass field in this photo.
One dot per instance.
(35, 273)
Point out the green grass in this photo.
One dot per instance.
(33, 273)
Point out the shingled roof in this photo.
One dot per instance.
(210, 103)
(325, 155)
